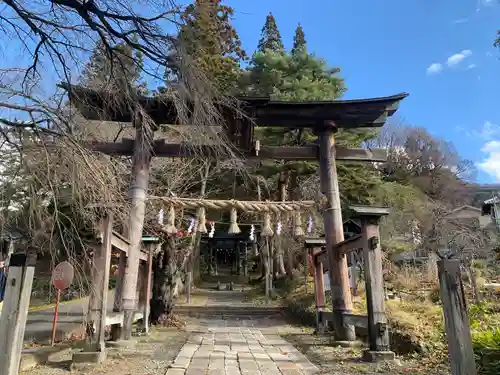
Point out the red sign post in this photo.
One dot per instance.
(62, 277)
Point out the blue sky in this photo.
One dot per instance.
(387, 46)
(439, 51)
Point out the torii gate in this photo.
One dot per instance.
(325, 117)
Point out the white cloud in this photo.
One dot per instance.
(489, 131)
(459, 20)
(434, 68)
(491, 164)
(483, 3)
(471, 66)
(458, 57)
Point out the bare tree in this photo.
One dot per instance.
(63, 182)
(417, 157)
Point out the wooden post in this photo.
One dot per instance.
(270, 261)
(137, 193)
(216, 266)
(149, 276)
(255, 248)
(122, 263)
(334, 233)
(102, 263)
(319, 289)
(189, 276)
(237, 249)
(265, 258)
(354, 275)
(456, 321)
(306, 269)
(245, 260)
(15, 311)
(378, 332)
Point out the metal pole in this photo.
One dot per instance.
(334, 233)
(56, 316)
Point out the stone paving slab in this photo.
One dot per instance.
(240, 351)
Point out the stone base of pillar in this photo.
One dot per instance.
(82, 360)
(378, 356)
(348, 344)
(116, 332)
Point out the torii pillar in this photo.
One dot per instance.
(334, 233)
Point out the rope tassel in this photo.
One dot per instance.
(233, 222)
(202, 226)
(170, 227)
(298, 230)
(267, 230)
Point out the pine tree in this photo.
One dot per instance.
(299, 41)
(120, 73)
(305, 77)
(209, 39)
(301, 77)
(270, 39)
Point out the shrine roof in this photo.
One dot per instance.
(371, 112)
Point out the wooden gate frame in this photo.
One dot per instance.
(99, 318)
(369, 242)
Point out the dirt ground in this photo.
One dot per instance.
(213, 311)
(151, 356)
(334, 359)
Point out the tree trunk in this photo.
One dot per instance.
(262, 265)
(164, 282)
(194, 262)
(290, 259)
(265, 256)
(279, 263)
(196, 266)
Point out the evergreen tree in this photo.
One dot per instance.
(209, 39)
(299, 41)
(305, 77)
(270, 39)
(120, 73)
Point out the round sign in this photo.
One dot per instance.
(62, 275)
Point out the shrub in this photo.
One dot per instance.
(486, 344)
(435, 294)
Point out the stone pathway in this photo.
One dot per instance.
(231, 337)
(239, 351)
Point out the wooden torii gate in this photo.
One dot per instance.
(369, 243)
(325, 117)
